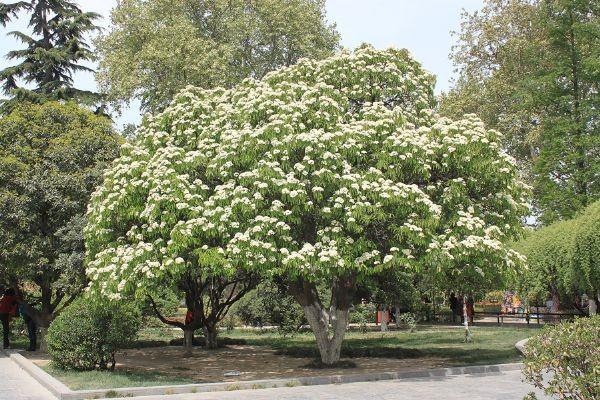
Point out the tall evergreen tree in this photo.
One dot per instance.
(53, 52)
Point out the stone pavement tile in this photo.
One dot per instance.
(16, 384)
(504, 385)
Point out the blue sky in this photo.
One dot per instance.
(421, 26)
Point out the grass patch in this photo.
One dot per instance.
(79, 380)
(492, 345)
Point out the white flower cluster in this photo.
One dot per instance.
(321, 168)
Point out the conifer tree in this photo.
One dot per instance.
(54, 50)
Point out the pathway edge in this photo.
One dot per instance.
(62, 392)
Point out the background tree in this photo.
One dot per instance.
(563, 259)
(320, 172)
(549, 251)
(156, 48)
(585, 271)
(53, 52)
(530, 69)
(392, 288)
(51, 158)
(270, 305)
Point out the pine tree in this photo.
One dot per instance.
(53, 52)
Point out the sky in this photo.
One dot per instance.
(421, 26)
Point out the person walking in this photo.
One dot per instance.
(8, 309)
(31, 328)
(454, 307)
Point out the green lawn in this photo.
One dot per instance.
(80, 380)
(492, 345)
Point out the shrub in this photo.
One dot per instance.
(86, 335)
(362, 314)
(267, 305)
(564, 359)
(407, 321)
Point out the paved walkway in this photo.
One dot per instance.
(16, 384)
(501, 386)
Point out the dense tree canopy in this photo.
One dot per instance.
(548, 251)
(155, 48)
(323, 171)
(563, 258)
(51, 159)
(53, 52)
(531, 69)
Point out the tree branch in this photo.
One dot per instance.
(162, 318)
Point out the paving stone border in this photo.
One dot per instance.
(62, 392)
(520, 345)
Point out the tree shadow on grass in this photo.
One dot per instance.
(372, 348)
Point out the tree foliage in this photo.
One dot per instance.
(269, 305)
(563, 257)
(53, 52)
(530, 69)
(51, 159)
(323, 171)
(88, 333)
(156, 48)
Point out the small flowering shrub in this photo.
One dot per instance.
(86, 335)
(323, 172)
(407, 321)
(564, 360)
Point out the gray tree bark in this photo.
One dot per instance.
(321, 319)
(593, 303)
(188, 341)
(210, 337)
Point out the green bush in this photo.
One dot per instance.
(267, 305)
(564, 360)
(86, 335)
(362, 314)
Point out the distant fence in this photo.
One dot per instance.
(537, 317)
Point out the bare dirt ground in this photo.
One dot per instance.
(253, 362)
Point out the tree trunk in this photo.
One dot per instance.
(210, 337)
(593, 304)
(468, 334)
(42, 339)
(188, 341)
(320, 319)
(593, 307)
(555, 299)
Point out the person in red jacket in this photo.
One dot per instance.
(8, 309)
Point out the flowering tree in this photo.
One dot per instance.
(324, 171)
